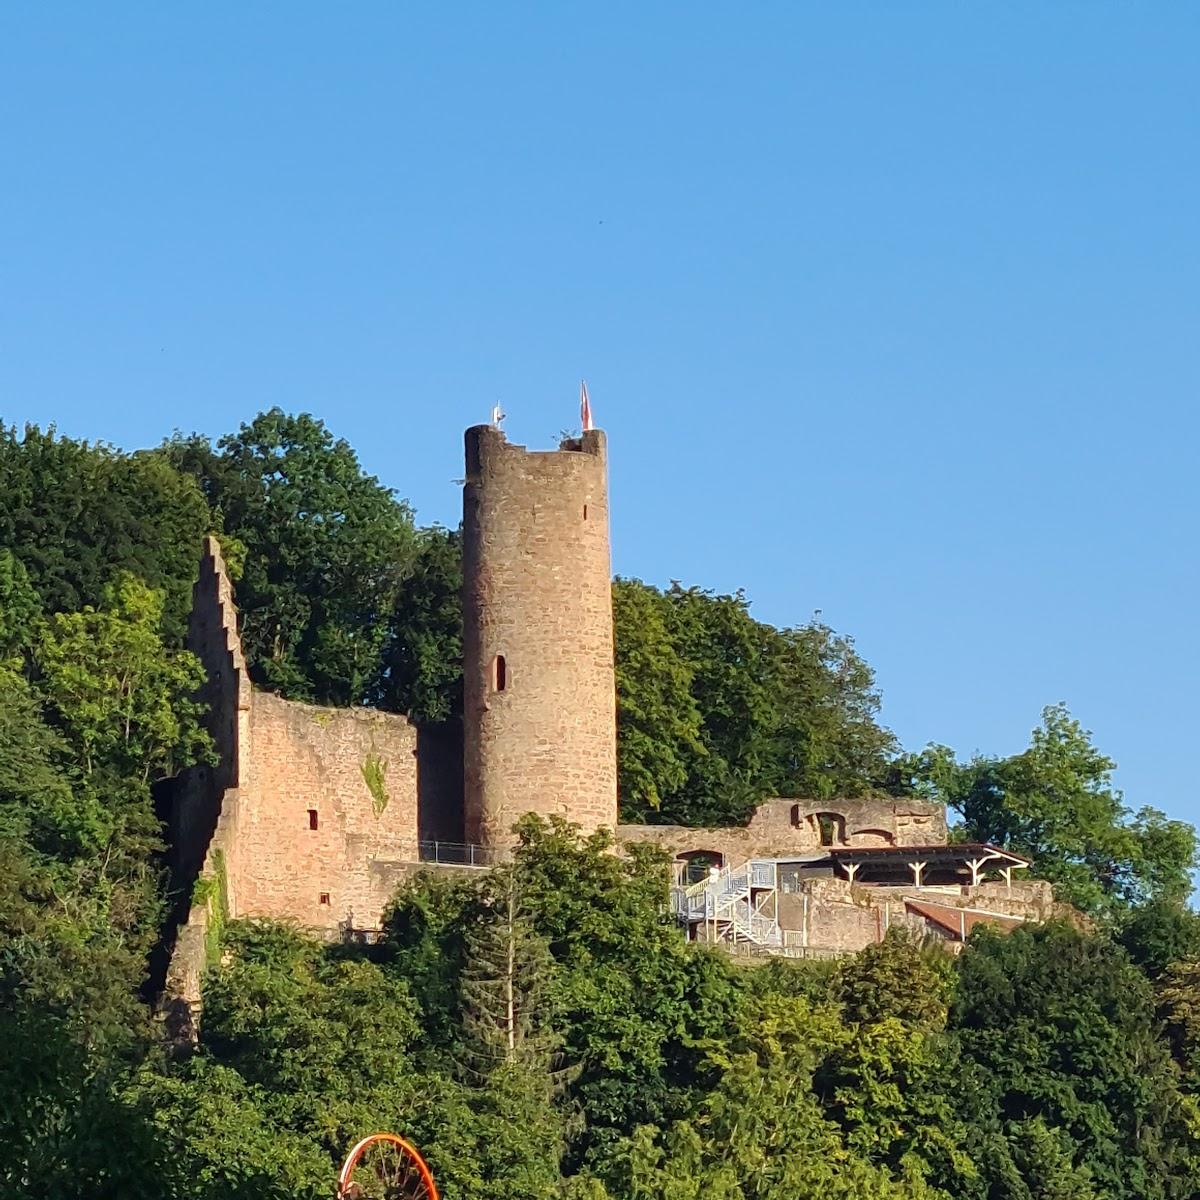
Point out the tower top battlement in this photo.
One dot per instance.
(487, 445)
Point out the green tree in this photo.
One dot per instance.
(828, 740)
(1056, 1027)
(43, 804)
(1043, 1161)
(1159, 933)
(900, 978)
(326, 1037)
(327, 549)
(636, 1003)
(658, 719)
(508, 1048)
(79, 516)
(77, 911)
(425, 944)
(886, 1085)
(213, 1137)
(887, 1081)
(781, 711)
(422, 660)
(20, 609)
(727, 651)
(760, 1134)
(503, 985)
(1179, 1010)
(1055, 802)
(124, 699)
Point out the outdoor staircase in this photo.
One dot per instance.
(737, 905)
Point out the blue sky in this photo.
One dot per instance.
(890, 310)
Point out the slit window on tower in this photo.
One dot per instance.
(499, 674)
(312, 818)
(585, 512)
(323, 898)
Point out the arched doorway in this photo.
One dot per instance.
(692, 866)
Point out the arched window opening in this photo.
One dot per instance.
(695, 865)
(499, 674)
(312, 818)
(831, 828)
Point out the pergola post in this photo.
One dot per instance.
(851, 870)
(1007, 873)
(976, 865)
(917, 869)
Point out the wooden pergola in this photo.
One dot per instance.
(926, 866)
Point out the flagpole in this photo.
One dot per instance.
(585, 407)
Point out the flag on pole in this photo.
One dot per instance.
(585, 407)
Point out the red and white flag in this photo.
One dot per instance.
(585, 407)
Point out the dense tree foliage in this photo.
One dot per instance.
(1060, 1049)
(78, 516)
(1055, 802)
(542, 1030)
(718, 711)
(422, 656)
(79, 898)
(326, 548)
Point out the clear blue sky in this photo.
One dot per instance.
(891, 310)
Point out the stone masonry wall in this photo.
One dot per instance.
(245, 824)
(835, 915)
(213, 638)
(203, 829)
(784, 827)
(310, 764)
(540, 730)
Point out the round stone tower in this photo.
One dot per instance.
(539, 695)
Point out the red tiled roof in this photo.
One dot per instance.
(959, 921)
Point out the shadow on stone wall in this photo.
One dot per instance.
(440, 813)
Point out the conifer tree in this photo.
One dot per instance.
(508, 1048)
(503, 1000)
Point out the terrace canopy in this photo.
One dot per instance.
(926, 866)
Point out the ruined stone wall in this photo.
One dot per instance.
(783, 827)
(833, 914)
(213, 638)
(539, 689)
(352, 772)
(203, 826)
(241, 832)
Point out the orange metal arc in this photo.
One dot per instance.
(407, 1148)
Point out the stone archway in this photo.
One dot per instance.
(830, 828)
(692, 866)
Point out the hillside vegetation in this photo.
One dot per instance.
(1053, 1063)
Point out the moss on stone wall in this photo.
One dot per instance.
(212, 892)
(374, 773)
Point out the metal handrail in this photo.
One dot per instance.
(726, 897)
(459, 854)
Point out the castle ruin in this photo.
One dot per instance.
(314, 814)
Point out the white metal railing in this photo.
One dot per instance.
(725, 898)
(459, 854)
(763, 873)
